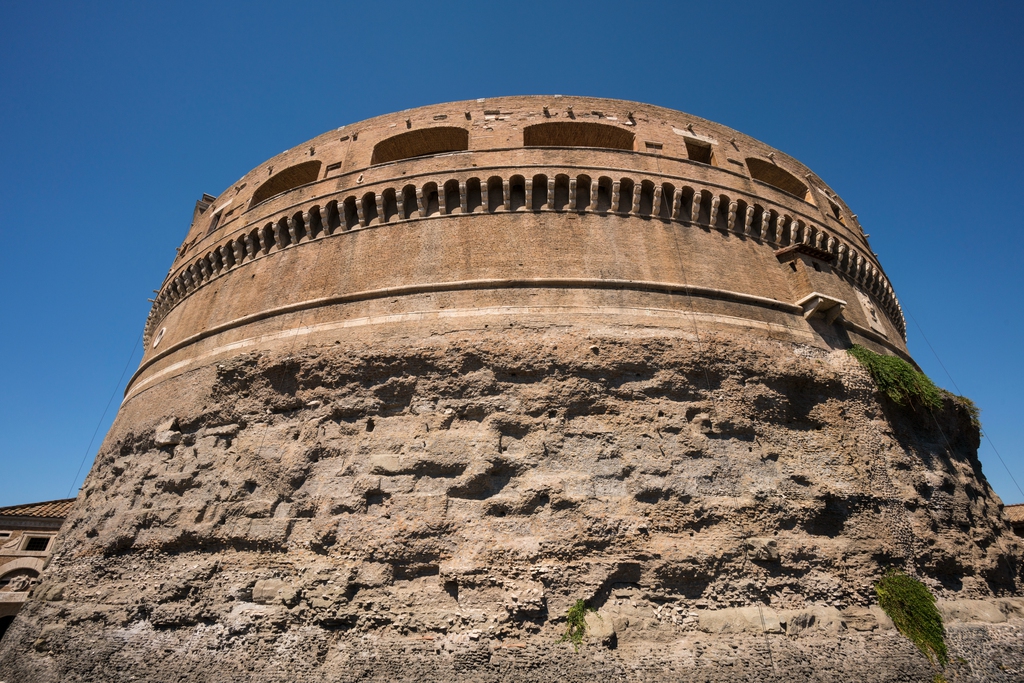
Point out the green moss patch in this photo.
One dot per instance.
(911, 606)
(897, 379)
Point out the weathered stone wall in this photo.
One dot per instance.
(413, 388)
(430, 505)
(502, 223)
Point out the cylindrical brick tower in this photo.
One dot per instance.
(414, 387)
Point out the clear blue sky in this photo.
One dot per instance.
(114, 118)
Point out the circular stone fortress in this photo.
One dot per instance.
(415, 387)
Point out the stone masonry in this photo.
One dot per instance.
(414, 387)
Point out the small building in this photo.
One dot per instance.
(26, 543)
(1015, 513)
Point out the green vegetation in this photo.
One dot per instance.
(897, 379)
(972, 409)
(576, 627)
(911, 606)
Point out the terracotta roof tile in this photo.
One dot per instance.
(49, 508)
(1015, 513)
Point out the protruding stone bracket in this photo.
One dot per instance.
(677, 204)
(420, 207)
(787, 253)
(817, 303)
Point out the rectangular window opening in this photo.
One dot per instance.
(836, 211)
(699, 151)
(214, 223)
(37, 544)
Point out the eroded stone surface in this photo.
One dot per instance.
(432, 508)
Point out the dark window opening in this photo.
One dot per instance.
(452, 197)
(431, 203)
(419, 143)
(517, 192)
(625, 196)
(699, 151)
(288, 179)
(653, 147)
(214, 222)
(495, 194)
(540, 192)
(474, 195)
(37, 544)
(646, 197)
(390, 205)
(604, 194)
(370, 216)
(835, 211)
(668, 198)
(778, 178)
(583, 197)
(577, 134)
(561, 198)
(351, 214)
(409, 206)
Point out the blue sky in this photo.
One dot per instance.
(114, 118)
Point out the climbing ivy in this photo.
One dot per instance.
(911, 606)
(897, 379)
(576, 624)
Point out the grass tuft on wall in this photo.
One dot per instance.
(898, 379)
(911, 606)
(576, 627)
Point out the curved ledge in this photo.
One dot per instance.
(35, 564)
(465, 285)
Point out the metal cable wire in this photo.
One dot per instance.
(99, 423)
(953, 381)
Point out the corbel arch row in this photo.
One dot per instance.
(604, 194)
